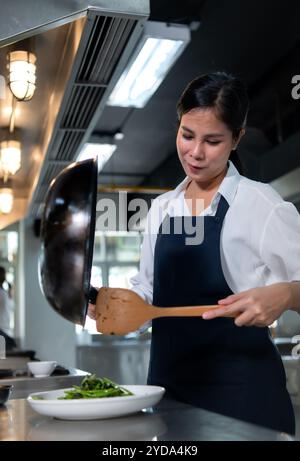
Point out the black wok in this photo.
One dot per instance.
(67, 235)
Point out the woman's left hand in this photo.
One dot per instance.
(255, 307)
(92, 311)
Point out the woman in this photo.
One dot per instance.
(247, 262)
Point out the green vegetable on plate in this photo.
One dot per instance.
(95, 388)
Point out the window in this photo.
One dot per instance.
(119, 276)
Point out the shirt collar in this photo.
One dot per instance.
(227, 188)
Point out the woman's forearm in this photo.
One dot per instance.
(294, 303)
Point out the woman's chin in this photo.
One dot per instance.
(200, 175)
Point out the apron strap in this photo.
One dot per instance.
(222, 210)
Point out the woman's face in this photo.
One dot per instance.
(204, 144)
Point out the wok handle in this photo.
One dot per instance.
(186, 311)
(93, 293)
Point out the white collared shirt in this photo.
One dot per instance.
(260, 237)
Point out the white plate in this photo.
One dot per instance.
(108, 407)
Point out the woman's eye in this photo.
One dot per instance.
(213, 143)
(187, 137)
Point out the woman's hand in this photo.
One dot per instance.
(91, 311)
(255, 307)
(93, 293)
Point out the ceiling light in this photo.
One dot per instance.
(6, 200)
(10, 156)
(102, 151)
(21, 80)
(118, 136)
(158, 49)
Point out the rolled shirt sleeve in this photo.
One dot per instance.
(280, 243)
(142, 283)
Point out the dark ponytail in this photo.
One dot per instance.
(234, 157)
(224, 92)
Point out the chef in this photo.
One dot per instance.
(247, 263)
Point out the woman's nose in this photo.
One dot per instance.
(197, 152)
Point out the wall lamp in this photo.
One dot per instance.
(10, 157)
(159, 47)
(22, 78)
(6, 197)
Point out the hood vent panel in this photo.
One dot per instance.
(69, 143)
(83, 102)
(106, 44)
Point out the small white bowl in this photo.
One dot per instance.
(41, 369)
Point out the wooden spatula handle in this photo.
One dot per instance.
(186, 311)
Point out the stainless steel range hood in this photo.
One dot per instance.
(82, 49)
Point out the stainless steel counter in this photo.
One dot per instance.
(169, 420)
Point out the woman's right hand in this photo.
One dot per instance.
(93, 293)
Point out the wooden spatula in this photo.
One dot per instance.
(120, 311)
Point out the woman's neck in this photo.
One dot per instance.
(204, 191)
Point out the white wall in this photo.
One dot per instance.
(43, 330)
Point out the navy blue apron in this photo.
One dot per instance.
(212, 364)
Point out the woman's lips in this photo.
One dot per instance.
(194, 168)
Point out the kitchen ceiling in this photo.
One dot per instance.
(259, 41)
